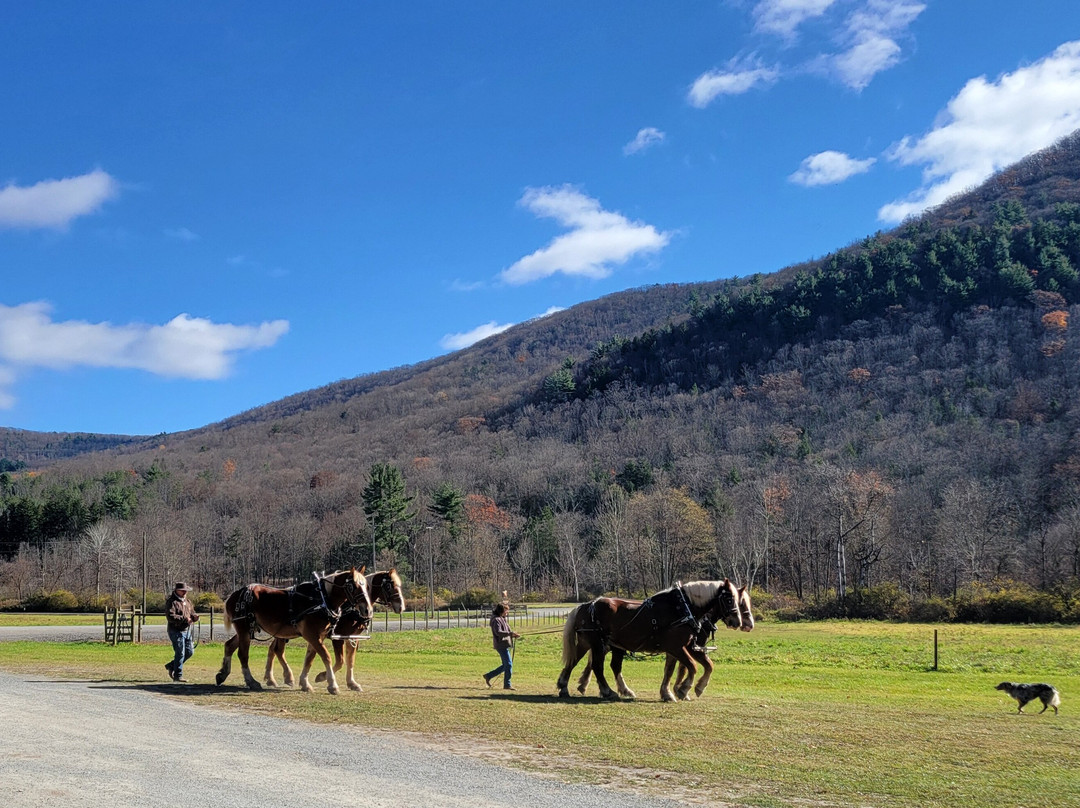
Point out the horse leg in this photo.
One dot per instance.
(268, 673)
(706, 675)
(316, 647)
(350, 660)
(617, 656)
(572, 652)
(275, 648)
(309, 657)
(564, 678)
(242, 653)
(665, 687)
(687, 661)
(586, 674)
(680, 673)
(226, 662)
(598, 655)
(321, 675)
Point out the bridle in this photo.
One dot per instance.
(725, 602)
(387, 590)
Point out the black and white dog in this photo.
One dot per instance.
(1047, 694)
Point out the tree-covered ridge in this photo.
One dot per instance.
(915, 269)
(891, 426)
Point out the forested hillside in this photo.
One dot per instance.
(895, 421)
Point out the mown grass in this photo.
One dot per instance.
(845, 714)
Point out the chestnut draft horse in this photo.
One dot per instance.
(704, 631)
(307, 610)
(663, 624)
(384, 588)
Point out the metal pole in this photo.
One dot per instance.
(935, 650)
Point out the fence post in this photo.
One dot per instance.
(935, 650)
(211, 624)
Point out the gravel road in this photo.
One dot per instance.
(83, 744)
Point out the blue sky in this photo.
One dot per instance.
(208, 206)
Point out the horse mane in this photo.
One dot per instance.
(702, 593)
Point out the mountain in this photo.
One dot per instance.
(901, 413)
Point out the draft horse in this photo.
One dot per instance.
(705, 629)
(383, 587)
(307, 610)
(662, 624)
(699, 652)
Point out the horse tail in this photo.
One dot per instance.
(230, 609)
(569, 637)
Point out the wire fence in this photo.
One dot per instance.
(131, 625)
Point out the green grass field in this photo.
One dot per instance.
(830, 714)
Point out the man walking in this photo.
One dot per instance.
(179, 615)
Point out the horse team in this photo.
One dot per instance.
(676, 622)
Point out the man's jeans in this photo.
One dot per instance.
(183, 648)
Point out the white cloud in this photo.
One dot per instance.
(740, 76)
(598, 239)
(646, 138)
(782, 17)
(871, 33)
(829, 168)
(185, 347)
(454, 342)
(989, 125)
(56, 203)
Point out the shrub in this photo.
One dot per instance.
(885, 601)
(204, 602)
(932, 610)
(95, 603)
(474, 598)
(59, 600)
(1008, 602)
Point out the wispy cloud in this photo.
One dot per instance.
(181, 234)
(829, 168)
(871, 34)
(185, 347)
(597, 241)
(782, 17)
(455, 342)
(740, 76)
(989, 125)
(458, 285)
(646, 138)
(56, 203)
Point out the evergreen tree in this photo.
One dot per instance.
(387, 506)
(448, 504)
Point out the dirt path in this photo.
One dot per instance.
(83, 744)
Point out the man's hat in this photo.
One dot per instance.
(181, 585)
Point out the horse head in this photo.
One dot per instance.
(386, 588)
(718, 600)
(745, 609)
(355, 587)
